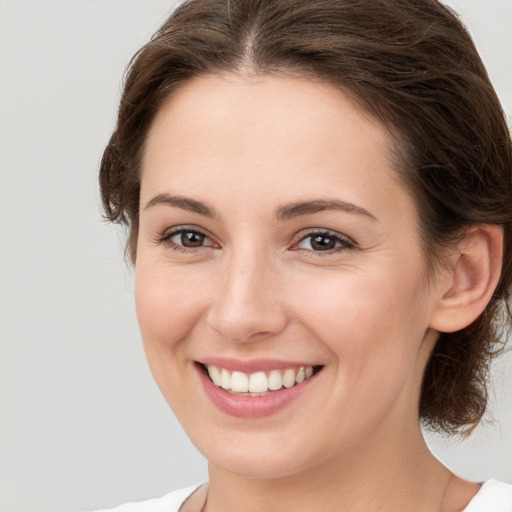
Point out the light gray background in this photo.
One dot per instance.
(82, 424)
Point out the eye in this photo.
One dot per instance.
(323, 241)
(189, 239)
(185, 238)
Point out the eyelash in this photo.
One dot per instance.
(341, 242)
(167, 237)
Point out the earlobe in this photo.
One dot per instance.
(472, 278)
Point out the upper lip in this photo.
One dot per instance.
(253, 365)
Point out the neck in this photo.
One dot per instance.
(380, 475)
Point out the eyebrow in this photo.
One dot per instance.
(285, 212)
(298, 209)
(185, 203)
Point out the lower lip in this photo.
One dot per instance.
(252, 406)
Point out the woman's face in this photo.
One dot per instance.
(276, 241)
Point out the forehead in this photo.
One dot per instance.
(291, 134)
(265, 101)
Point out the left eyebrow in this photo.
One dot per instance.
(298, 209)
(184, 203)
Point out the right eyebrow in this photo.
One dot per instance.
(300, 208)
(185, 203)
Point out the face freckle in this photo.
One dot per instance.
(304, 251)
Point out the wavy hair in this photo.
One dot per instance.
(409, 63)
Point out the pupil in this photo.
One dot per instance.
(192, 239)
(323, 243)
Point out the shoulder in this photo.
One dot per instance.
(493, 495)
(171, 502)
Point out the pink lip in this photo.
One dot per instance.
(252, 365)
(252, 406)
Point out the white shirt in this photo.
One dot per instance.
(493, 496)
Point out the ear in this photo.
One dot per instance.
(468, 285)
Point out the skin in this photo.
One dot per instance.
(246, 147)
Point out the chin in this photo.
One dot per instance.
(259, 459)
(258, 466)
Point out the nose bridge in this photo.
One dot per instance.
(247, 304)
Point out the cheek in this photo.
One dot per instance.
(358, 299)
(367, 318)
(168, 304)
(374, 330)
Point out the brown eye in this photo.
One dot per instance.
(324, 241)
(186, 239)
(192, 239)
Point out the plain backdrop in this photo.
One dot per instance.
(82, 424)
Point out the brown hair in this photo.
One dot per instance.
(410, 63)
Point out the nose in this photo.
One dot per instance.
(248, 305)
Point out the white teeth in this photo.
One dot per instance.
(258, 382)
(275, 381)
(289, 378)
(214, 374)
(301, 376)
(225, 379)
(239, 382)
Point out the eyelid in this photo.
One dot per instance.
(346, 241)
(169, 233)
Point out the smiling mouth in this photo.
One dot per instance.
(258, 383)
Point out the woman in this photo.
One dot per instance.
(319, 200)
